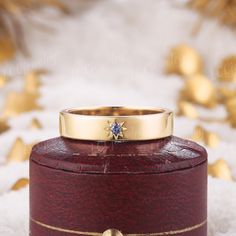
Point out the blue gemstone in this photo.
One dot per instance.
(116, 128)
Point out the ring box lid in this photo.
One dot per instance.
(90, 157)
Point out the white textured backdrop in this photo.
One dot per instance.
(113, 54)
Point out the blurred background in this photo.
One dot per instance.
(59, 54)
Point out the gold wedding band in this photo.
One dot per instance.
(116, 123)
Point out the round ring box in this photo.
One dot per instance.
(155, 187)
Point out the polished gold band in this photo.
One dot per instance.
(116, 123)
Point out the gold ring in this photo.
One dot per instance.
(116, 123)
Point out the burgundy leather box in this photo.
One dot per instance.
(156, 187)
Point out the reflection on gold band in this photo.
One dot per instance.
(70, 231)
(116, 123)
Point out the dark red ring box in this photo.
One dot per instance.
(156, 187)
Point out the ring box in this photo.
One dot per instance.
(154, 187)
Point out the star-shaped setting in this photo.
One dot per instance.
(115, 130)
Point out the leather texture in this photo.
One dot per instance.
(154, 156)
(136, 187)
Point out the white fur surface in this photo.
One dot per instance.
(113, 54)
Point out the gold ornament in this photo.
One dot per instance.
(198, 134)
(209, 138)
(3, 81)
(200, 90)
(7, 49)
(19, 184)
(225, 94)
(3, 125)
(32, 81)
(187, 109)
(184, 60)
(230, 105)
(224, 10)
(19, 151)
(220, 169)
(35, 124)
(227, 69)
(19, 102)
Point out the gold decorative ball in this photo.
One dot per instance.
(200, 90)
(220, 169)
(227, 69)
(112, 232)
(198, 134)
(187, 109)
(226, 94)
(184, 60)
(212, 139)
(230, 105)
